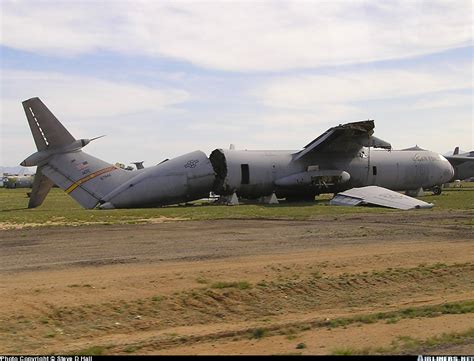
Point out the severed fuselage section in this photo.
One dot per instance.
(252, 174)
(178, 180)
(93, 182)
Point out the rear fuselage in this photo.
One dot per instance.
(181, 179)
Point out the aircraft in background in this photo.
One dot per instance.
(463, 164)
(340, 159)
(17, 181)
(95, 183)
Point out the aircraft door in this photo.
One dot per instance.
(245, 171)
(374, 171)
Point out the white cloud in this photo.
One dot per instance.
(90, 97)
(425, 105)
(444, 101)
(241, 36)
(322, 114)
(315, 91)
(245, 36)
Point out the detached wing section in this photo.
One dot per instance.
(346, 138)
(378, 196)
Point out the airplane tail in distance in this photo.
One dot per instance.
(456, 151)
(61, 161)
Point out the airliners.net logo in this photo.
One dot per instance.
(445, 358)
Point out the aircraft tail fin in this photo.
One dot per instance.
(47, 131)
(456, 151)
(59, 158)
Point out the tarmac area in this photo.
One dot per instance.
(398, 282)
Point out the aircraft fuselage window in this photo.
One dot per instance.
(374, 170)
(245, 174)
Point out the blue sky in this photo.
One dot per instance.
(164, 78)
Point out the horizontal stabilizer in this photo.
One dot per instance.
(41, 187)
(377, 196)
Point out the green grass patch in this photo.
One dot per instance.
(241, 285)
(202, 281)
(130, 349)
(345, 351)
(60, 209)
(92, 351)
(393, 320)
(408, 344)
(411, 312)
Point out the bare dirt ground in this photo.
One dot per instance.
(346, 284)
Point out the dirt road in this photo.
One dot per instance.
(328, 285)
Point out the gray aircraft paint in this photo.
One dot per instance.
(463, 164)
(342, 164)
(339, 159)
(377, 196)
(185, 178)
(93, 182)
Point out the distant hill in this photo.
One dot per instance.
(17, 170)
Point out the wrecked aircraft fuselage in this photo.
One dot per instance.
(336, 160)
(253, 174)
(181, 179)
